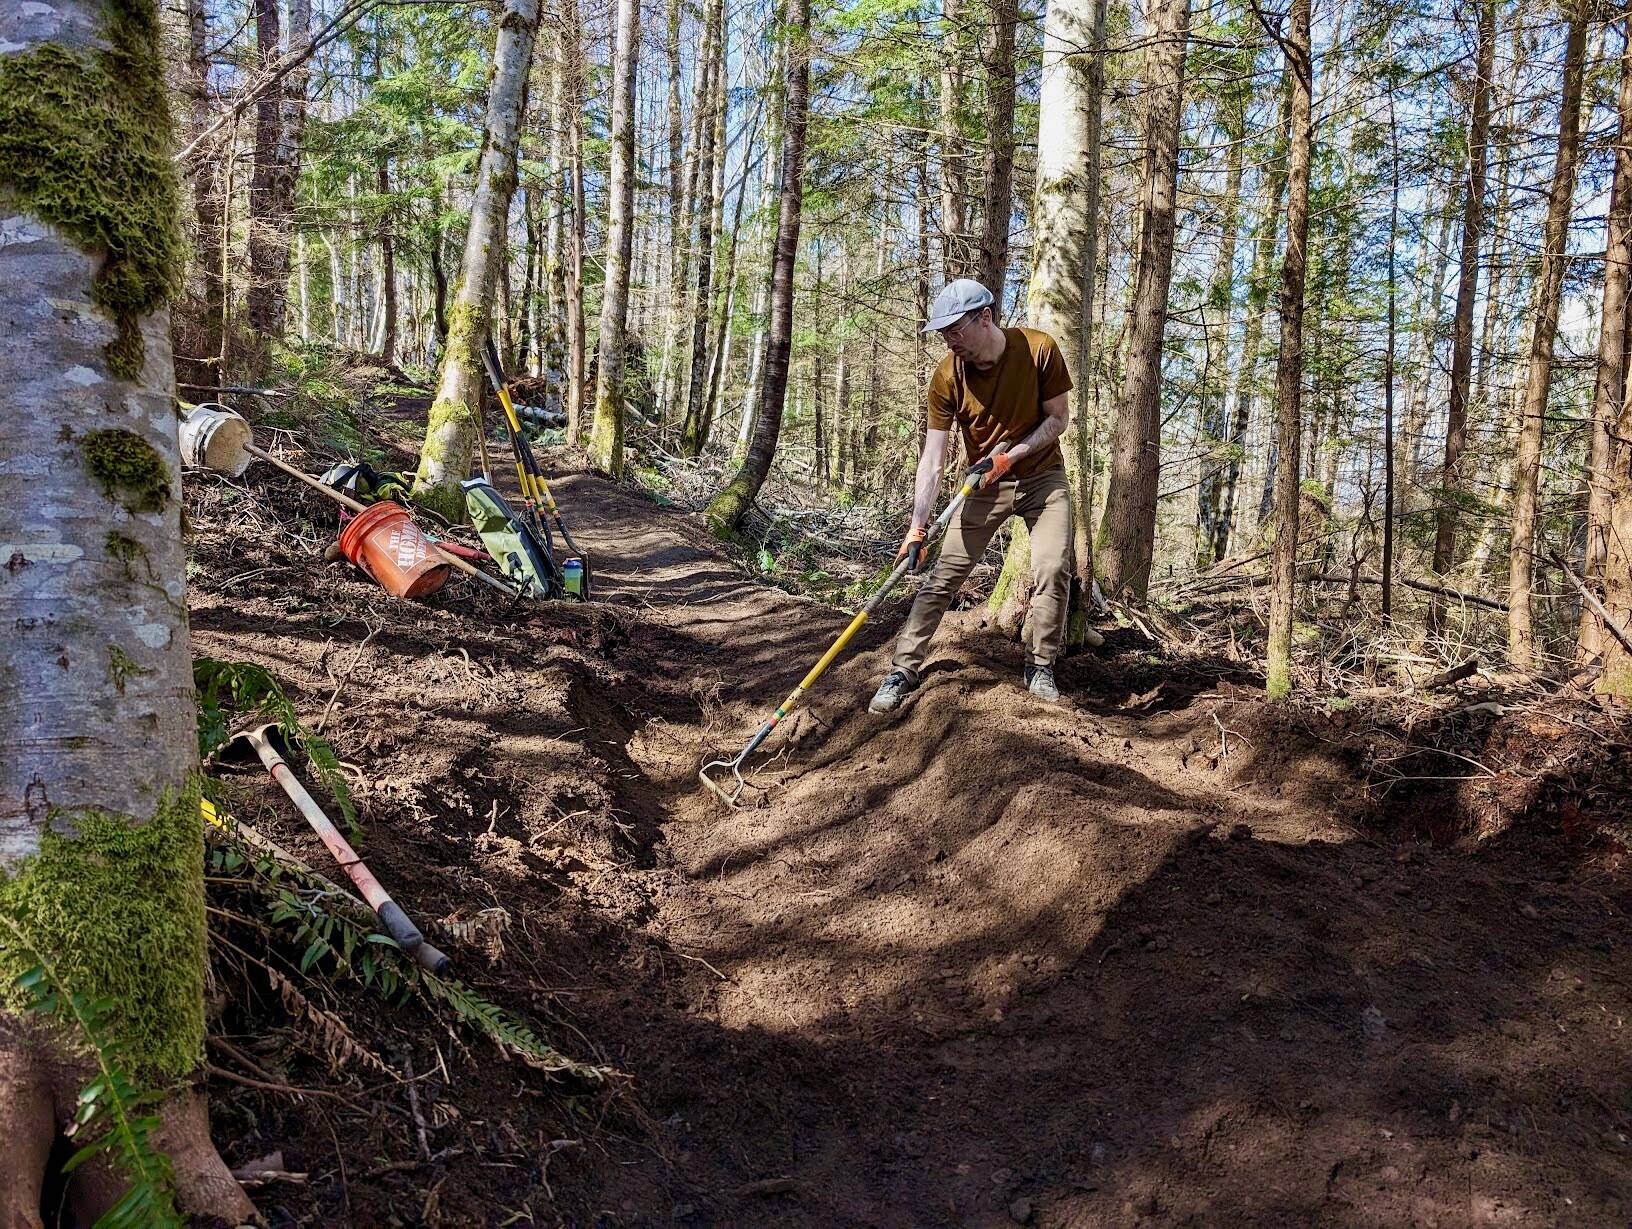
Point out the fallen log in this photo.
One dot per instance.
(1472, 599)
(1447, 677)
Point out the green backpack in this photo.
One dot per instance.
(520, 554)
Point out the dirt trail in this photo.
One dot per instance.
(988, 960)
(1141, 958)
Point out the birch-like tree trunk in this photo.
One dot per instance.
(606, 436)
(101, 859)
(1521, 641)
(1128, 531)
(1467, 289)
(1059, 300)
(455, 420)
(726, 510)
(1289, 367)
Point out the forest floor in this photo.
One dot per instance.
(1162, 954)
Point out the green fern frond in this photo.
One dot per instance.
(345, 947)
(113, 1116)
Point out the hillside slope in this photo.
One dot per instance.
(1145, 957)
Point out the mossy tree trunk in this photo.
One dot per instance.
(606, 435)
(726, 510)
(451, 434)
(1289, 368)
(101, 858)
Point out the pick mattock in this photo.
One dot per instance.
(535, 492)
(395, 921)
(971, 484)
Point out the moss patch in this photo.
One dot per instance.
(85, 145)
(127, 468)
(118, 907)
(122, 667)
(127, 550)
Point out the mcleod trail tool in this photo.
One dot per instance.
(535, 492)
(391, 916)
(971, 483)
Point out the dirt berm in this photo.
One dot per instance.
(1163, 954)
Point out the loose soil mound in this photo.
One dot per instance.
(1162, 954)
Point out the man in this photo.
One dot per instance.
(1000, 386)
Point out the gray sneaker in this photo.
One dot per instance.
(896, 687)
(1040, 682)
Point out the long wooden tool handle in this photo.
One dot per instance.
(341, 497)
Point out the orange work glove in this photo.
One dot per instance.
(992, 469)
(912, 547)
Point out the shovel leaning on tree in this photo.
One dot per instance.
(391, 916)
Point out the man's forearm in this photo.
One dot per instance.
(927, 486)
(1046, 432)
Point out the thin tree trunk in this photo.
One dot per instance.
(577, 358)
(552, 329)
(710, 122)
(1467, 289)
(998, 203)
(388, 268)
(1388, 367)
(1521, 644)
(726, 510)
(1609, 397)
(954, 255)
(263, 236)
(1289, 367)
(204, 170)
(606, 436)
(531, 261)
(1215, 418)
(1258, 287)
(452, 434)
(1128, 532)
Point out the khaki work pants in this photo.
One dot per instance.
(1043, 501)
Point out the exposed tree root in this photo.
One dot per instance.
(39, 1092)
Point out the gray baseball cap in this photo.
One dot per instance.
(958, 299)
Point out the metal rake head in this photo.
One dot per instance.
(718, 790)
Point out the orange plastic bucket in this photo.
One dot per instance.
(385, 543)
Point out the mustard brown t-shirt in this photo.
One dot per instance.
(1005, 402)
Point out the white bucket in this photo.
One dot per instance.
(214, 437)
